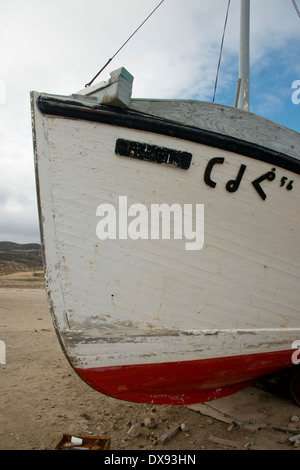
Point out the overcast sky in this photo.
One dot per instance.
(57, 46)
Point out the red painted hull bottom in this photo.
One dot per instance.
(186, 382)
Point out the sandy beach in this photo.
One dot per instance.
(42, 397)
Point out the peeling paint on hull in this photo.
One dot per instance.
(146, 320)
(188, 382)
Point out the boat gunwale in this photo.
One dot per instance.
(68, 107)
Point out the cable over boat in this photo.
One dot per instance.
(170, 234)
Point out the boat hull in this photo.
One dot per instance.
(165, 319)
(184, 382)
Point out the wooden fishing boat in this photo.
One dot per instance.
(180, 313)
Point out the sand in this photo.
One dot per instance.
(42, 397)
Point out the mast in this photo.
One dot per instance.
(244, 64)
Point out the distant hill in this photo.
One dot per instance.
(16, 257)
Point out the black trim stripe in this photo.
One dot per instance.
(130, 119)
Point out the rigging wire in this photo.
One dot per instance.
(296, 7)
(109, 60)
(222, 42)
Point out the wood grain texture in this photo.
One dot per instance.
(225, 120)
(129, 301)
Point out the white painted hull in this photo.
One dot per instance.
(124, 303)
